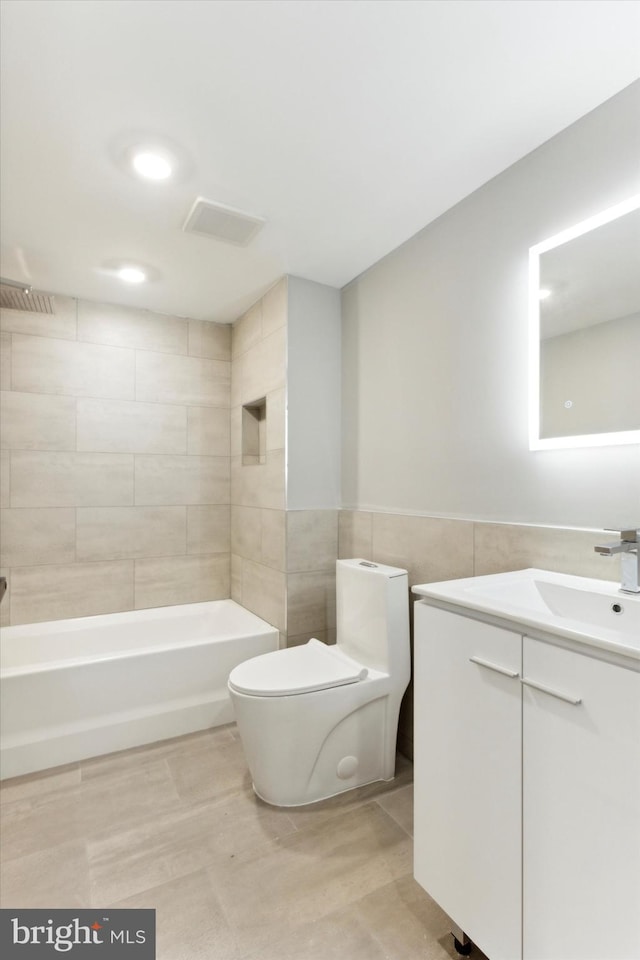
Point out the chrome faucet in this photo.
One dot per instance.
(627, 547)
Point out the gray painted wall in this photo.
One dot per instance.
(313, 396)
(435, 349)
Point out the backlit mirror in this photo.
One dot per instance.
(584, 333)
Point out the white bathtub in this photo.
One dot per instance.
(73, 689)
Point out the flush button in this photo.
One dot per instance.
(347, 767)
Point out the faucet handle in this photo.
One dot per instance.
(628, 535)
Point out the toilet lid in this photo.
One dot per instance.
(314, 666)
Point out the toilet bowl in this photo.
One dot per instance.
(317, 720)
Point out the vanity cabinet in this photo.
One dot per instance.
(581, 807)
(527, 802)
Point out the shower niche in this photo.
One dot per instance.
(254, 432)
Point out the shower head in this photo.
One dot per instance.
(21, 296)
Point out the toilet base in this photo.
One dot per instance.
(328, 796)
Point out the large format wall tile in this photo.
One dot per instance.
(115, 428)
(37, 536)
(189, 380)
(211, 340)
(5, 361)
(129, 327)
(275, 307)
(34, 421)
(127, 426)
(58, 591)
(505, 546)
(120, 533)
(71, 479)
(167, 580)
(247, 331)
(276, 419)
(208, 431)
(264, 592)
(246, 532)
(311, 602)
(274, 538)
(429, 548)
(260, 484)
(175, 480)
(5, 479)
(260, 535)
(312, 540)
(263, 367)
(236, 578)
(61, 324)
(355, 534)
(43, 365)
(209, 529)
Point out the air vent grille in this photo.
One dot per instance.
(215, 220)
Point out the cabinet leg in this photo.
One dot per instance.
(460, 941)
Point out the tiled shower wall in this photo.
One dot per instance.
(115, 460)
(283, 561)
(258, 490)
(433, 549)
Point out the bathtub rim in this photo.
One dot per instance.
(258, 627)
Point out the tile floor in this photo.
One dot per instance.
(176, 826)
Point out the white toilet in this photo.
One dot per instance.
(316, 720)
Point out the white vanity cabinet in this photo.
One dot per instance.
(581, 807)
(527, 803)
(467, 747)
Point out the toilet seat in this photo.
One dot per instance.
(296, 670)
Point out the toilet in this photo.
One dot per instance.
(317, 720)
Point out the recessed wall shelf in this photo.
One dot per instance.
(254, 432)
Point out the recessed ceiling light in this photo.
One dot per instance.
(132, 274)
(152, 165)
(543, 293)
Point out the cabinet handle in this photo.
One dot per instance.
(494, 666)
(552, 693)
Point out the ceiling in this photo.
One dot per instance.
(347, 125)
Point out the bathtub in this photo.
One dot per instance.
(73, 689)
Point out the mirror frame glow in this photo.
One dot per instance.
(536, 442)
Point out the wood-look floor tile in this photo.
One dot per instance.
(152, 752)
(180, 842)
(190, 924)
(56, 877)
(84, 809)
(399, 805)
(218, 770)
(307, 875)
(39, 784)
(341, 935)
(407, 923)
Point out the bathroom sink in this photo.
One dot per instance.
(591, 611)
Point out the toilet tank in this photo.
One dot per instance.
(372, 607)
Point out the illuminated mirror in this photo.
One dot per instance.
(584, 333)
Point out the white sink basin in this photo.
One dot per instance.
(591, 611)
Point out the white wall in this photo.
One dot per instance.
(435, 349)
(313, 396)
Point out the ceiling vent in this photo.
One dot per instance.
(215, 220)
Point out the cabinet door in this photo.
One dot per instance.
(467, 767)
(581, 808)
